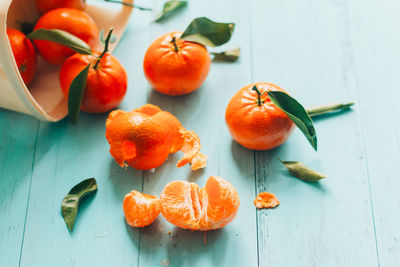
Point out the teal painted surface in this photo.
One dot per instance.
(320, 51)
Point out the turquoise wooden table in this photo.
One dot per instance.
(320, 51)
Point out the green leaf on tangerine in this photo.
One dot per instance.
(63, 38)
(296, 112)
(76, 93)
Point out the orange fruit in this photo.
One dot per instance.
(266, 200)
(256, 123)
(46, 5)
(24, 54)
(174, 66)
(144, 137)
(74, 21)
(106, 84)
(140, 209)
(210, 208)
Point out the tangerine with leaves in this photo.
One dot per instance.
(211, 207)
(254, 121)
(174, 66)
(44, 6)
(24, 54)
(73, 21)
(144, 137)
(140, 209)
(106, 82)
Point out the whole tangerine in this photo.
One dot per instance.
(254, 121)
(44, 6)
(24, 54)
(174, 66)
(74, 21)
(106, 83)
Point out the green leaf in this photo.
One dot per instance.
(229, 55)
(328, 108)
(207, 32)
(301, 171)
(76, 93)
(70, 203)
(296, 112)
(169, 8)
(63, 38)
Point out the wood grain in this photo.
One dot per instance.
(320, 51)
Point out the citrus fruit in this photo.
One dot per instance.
(74, 21)
(254, 121)
(106, 83)
(44, 6)
(266, 200)
(24, 54)
(144, 137)
(174, 66)
(212, 207)
(140, 209)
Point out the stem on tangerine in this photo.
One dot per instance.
(106, 43)
(175, 45)
(259, 100)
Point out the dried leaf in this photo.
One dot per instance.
(169, 8)
(301, 171)
(229, 55)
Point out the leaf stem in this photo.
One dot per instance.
(259, 100)
(106, 43)
(130, 5)
(175, 45)
(327, 108)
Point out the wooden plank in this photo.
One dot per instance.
(304, 47)
(203, 112)
(18, 135)
(375, 41)
(68, 154)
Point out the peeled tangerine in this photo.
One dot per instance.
(144, 137)
(140, 209)
(184, 205)
(212, 207)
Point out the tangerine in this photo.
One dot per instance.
(140, 209)
(74, 21)
(24, 54)
(254, 121)
(212, 207)
(106, 83)
(174, 66)
(144, 137)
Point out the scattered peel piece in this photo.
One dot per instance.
(266, 200)
(198, 162)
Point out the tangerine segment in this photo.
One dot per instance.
(140, 209)
(211, 207)
(144, 137)
(266, 200)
